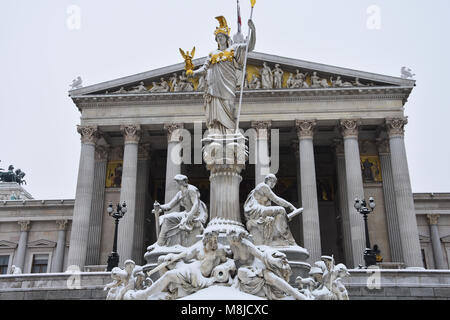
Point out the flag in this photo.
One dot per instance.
(239, 17)
(238, 37)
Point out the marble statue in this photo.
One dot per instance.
(268, 224)
(266, 77)
(406, 73)
(192, 270)
(277, 77)
(290, 81)
(239, 79)
(339, 83)
(174, 81)
(163, 86)
(263, 271)
(76, 83)
(255, 83)
(181, 228)
(184, 84)
(140, 88)
(15, 270)
(317, 82)
(120, 91)
(220, 69)
(299, 80)
(357, 83)
(325, 281)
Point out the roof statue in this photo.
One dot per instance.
(406, 73)
(76, 83)
(12, 176)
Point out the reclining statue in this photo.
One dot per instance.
(263, 271)
(182, 228)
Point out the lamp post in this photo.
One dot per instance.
(370, 257)
(113, 258)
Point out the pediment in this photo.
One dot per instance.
(7, 244)
(329, 77)
(423, 238)
(446, 239)
(42, 243)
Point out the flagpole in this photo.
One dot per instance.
(243, 72)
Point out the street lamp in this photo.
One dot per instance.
(370, 257)
(113, 258)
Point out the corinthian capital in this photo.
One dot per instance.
(305, 128)
(89, 134)
(433, 219)
(24, 225)
(173, 131)
(62, 224)
(349, 127)
(131, 133)
(396, 126)
(262, 128)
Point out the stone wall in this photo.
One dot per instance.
(362, 285)
(383, 284)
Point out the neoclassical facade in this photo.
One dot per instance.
(330, 135)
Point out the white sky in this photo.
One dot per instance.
(40, 56)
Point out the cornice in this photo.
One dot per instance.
(250, 96)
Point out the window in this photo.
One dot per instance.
(40, 263)
(4, 261)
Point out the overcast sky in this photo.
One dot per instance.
(43, 48)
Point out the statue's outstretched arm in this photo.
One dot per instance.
(279, 201)
(172, 203)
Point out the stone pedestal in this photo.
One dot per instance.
(225, 157)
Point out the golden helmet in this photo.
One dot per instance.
(223, 28)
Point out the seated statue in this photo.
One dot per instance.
(181, 228)
(196, 268)
(268, 224)
(263, 272)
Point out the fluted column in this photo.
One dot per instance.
(343, 201)
(439, 261)
(141, 202)
(295, 149)
(355, 188)
(403, 194)
(262, 160)
(131, 135)
(19, 258)
(58, 259)
(173, 166)
(97, 210)
(389, 201)
(83, 197)
(311, 224)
